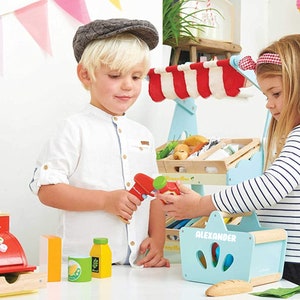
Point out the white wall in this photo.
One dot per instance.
(38, 90)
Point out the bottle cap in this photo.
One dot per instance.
(100, 241)
(159, 182)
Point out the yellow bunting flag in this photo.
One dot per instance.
(116, 3)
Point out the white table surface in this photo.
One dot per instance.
(137, 284)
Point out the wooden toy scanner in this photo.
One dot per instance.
(146, 186)
(143, 187)
(16, 276)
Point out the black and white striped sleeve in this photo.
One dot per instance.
(271, 187)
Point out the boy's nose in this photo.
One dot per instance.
(127, 83)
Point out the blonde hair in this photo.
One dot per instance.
(121, 52)
(288, 49)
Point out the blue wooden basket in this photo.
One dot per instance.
(220, 252)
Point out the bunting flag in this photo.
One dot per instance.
(7, 7)
(1, 47)
(34, 18)
(76, 8)
(116, 3)
(217, 78)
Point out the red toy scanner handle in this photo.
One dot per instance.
(142, 188)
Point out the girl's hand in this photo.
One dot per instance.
(184, 206)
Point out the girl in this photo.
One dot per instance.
(275, 195)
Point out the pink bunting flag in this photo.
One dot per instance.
(76, 8)
(34, 18)
(1, 48)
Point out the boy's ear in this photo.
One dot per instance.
(83, 75)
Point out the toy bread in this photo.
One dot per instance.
(229, 287)
(181, 152)
(195, 140)
(196, 143)
(190, 145)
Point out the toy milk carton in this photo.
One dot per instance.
(220, 252)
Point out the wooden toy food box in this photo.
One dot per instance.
(220, 252)
(246, 163)
(199, 170)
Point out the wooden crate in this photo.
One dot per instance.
(220, 251)
(200, 164)
(172, 239)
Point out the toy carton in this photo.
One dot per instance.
(220, 252)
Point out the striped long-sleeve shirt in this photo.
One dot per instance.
(275, 195)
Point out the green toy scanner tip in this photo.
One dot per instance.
(159, 182)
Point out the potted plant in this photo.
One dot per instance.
(179, 20)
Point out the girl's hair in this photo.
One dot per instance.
(121, 52)
(288, 49)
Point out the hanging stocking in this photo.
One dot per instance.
(232, 79)
(179, 82)
(154, 87)
(190, 80)
(202, 79)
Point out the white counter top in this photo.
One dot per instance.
(129, 283)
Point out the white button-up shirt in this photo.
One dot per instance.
(95, 150)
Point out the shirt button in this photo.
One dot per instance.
(120, 130)
(132, 243)
(124, 156)
(115, 118)
(45, 167)
(141, 148)
(128, 184)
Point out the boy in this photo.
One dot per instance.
(87, 169)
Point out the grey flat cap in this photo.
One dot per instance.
(101, 29)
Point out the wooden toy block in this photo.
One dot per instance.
(51, 257)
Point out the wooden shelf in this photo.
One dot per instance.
(212, 47)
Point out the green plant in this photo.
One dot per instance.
(180, 21)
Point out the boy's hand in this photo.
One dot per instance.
(121, 203)
(153, 256)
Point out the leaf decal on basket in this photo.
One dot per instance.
(215, 253)
(228, 262)
(202, 259)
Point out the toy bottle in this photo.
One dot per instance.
(161, 184)
(101, 258)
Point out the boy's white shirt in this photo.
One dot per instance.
(95, 150)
